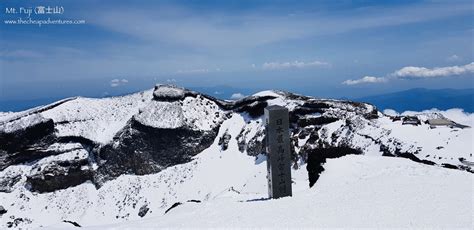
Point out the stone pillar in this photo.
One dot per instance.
(278, 151)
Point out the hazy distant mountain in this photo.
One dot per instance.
(419, 99)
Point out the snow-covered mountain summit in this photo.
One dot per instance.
(95, 149)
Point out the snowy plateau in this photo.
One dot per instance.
(169, 157)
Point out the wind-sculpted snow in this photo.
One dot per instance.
(124, 158)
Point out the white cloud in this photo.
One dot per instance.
(294, 64)
(453, 58)
(416, 72)
(118, 82)
(422, 72)
(366, 79)
(237, 96)
(390, 112)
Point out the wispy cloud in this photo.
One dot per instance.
(366, 79)
(118, 82)
(453, 58)
(254, 28)
(422, 72)
(293, 64)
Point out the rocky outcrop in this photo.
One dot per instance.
(140, 149)
(71, 167)
(143, 210)
(2, 210)
(317, 157)
(20, 140)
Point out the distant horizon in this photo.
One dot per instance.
(224, 93)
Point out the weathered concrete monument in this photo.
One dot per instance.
(278, 151)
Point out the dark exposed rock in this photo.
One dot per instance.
(411, 120)
(8, 181)
(304, 133)
(2, 210)
(396, 118)
(372, 115)
(224, 141)
(255, 146)
(59, 173)
(72, 222)
(16, 222)
(247, 101)
(316, 105)
(179, 203)
(19, 146)
(173, 206)
(254, 109)
(59, 176)
(317, 157)
(303, 122)
(413, 157)
(450, 166)
(143, 210)
(23, 138)
(144, 150)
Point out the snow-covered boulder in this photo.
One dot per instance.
(168, 93)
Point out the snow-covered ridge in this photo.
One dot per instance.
(123, 155)
(22, 123)
(12, 116)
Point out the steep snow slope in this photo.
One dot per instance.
(91, 118)
(96, 119)
(353, 192)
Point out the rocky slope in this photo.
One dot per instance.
(97, 145)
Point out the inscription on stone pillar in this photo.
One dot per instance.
(278, 151)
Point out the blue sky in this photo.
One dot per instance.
(322, 48)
